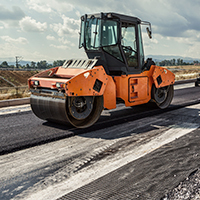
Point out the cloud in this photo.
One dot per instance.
(39, 6)
(78, 13)
(48, 6)
(69, 27)
(63, 41)
(175, 23)
(154, 41)
(15, 14)
(20, 40)
(63, 47)
(91, 6)
(50, 37)
(189, 10)
(30, 25)
(169, 18)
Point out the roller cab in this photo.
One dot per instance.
(115, 72)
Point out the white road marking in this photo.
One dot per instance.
(182, 86)
(15, 109)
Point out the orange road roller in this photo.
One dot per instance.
(115, 72)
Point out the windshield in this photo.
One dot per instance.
(97, 33)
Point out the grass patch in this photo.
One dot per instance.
(14, 96)
(12, 92)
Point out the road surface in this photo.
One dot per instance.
(141, 147)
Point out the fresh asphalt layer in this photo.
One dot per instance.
(137, 158)
(161, 165)
(23, 129)
(149, 177)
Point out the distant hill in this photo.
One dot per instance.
(158, 58)
(22, 62)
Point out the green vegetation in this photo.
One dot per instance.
(45, 65)
(174, 62)
(34, 65)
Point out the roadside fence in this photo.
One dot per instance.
(6, 91)
(19, 69)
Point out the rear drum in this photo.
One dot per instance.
(162, 96)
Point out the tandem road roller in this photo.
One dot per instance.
(115, 72)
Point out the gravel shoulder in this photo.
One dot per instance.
(189, 189)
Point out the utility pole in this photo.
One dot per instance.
(18, 59)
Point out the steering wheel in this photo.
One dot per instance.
(129, 48)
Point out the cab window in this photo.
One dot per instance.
(129, 44)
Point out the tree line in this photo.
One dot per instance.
(174, 62)
(34, 65)
(45, 65)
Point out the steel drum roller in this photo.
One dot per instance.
(59, 110)
(48, 108)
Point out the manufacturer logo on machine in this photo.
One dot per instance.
(87, 74)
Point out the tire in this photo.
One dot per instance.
(88, 115)
(162, 96)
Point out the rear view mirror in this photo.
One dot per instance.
(149, 33)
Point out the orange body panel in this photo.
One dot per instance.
(78, 81)
(68, 72)
(83, 84)
(133, 89)
(162, 77)
(47, 73)
(109, 95)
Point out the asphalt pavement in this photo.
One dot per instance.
(130, 153)
(149, 177)
(24, 129)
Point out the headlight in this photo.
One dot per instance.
(60, 85)
(35, 83)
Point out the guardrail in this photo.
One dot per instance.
(7, 81)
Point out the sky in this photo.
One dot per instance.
(49, 29)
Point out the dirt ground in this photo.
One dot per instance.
(18, 78)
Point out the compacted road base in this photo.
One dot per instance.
(150, 176)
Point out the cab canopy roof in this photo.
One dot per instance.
(110, 15)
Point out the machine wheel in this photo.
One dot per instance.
(80, 112)
(162, 96)
(84, 111)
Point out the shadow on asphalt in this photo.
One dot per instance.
(108, 125)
